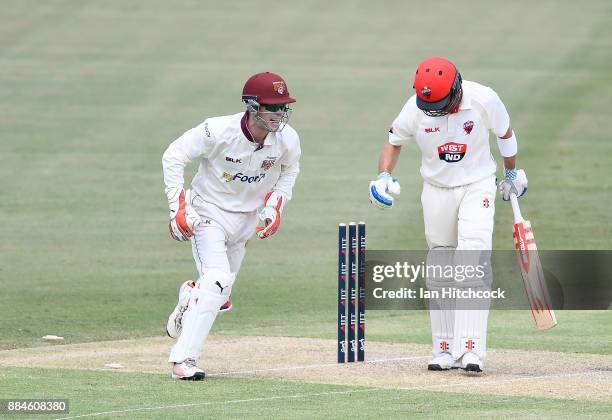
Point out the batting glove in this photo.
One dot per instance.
(380, 189)
(514, 182)
(270, 214)
(183, 219)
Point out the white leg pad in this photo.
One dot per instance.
(442, 310)
(212, 290)
(471, 333)
(471, 315)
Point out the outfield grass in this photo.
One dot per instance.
(153, 396)
(91, 94)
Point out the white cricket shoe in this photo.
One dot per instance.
(470, 362)
(175, 320)
(187, 371)
(443, 361)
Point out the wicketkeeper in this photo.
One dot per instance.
(450, 120)
(248, 164)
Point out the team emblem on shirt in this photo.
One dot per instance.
(268, 163)
(467, 126)
(279, 87)
(452, 152)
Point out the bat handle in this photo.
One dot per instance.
(518, 217)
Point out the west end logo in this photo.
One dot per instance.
(452, 152)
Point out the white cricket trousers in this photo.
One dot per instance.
(459, 219)
(219, 242)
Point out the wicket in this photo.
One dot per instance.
(356, 291)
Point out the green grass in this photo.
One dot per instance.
(92, 93)
(148, 396)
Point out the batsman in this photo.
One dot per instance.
(450, 120)
(248, 164)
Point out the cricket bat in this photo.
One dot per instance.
(531, 269)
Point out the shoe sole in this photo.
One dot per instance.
(472, 367)
(435, 368)
(197, 377)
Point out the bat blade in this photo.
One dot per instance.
(533, 276)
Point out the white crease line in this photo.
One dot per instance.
(247, 372)
(322, 394)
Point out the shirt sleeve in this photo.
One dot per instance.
(402, 131)
(498, 118)
(290, 168)
(193, 144)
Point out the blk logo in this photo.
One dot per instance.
(486, 203)
(432, 130)
(233, 160)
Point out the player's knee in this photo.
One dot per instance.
(217, 281)
(213, 289)
(438, 258)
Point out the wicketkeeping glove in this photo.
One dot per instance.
(183, 218)
(381, 189)
(515, 181)
(270, 214)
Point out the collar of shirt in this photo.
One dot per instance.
(245, 130)
(466, 101)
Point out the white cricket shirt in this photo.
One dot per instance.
(454, 148)
(235, 173)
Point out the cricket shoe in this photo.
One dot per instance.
(187, 371)
(470, 362)
(443, 361)
(226, 307)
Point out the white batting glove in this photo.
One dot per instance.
(515, 181)
(270, 214)
(381, 189)
(183, 218)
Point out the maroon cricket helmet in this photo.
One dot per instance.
(267, 88)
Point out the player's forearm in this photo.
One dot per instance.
(287, 179)
(181, 151)
(173, 163)
(388, 157)
(510, 162)
(508, 148)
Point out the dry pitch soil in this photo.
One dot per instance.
(507, 372)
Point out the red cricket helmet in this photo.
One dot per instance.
(266, 88)
(437, 83)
